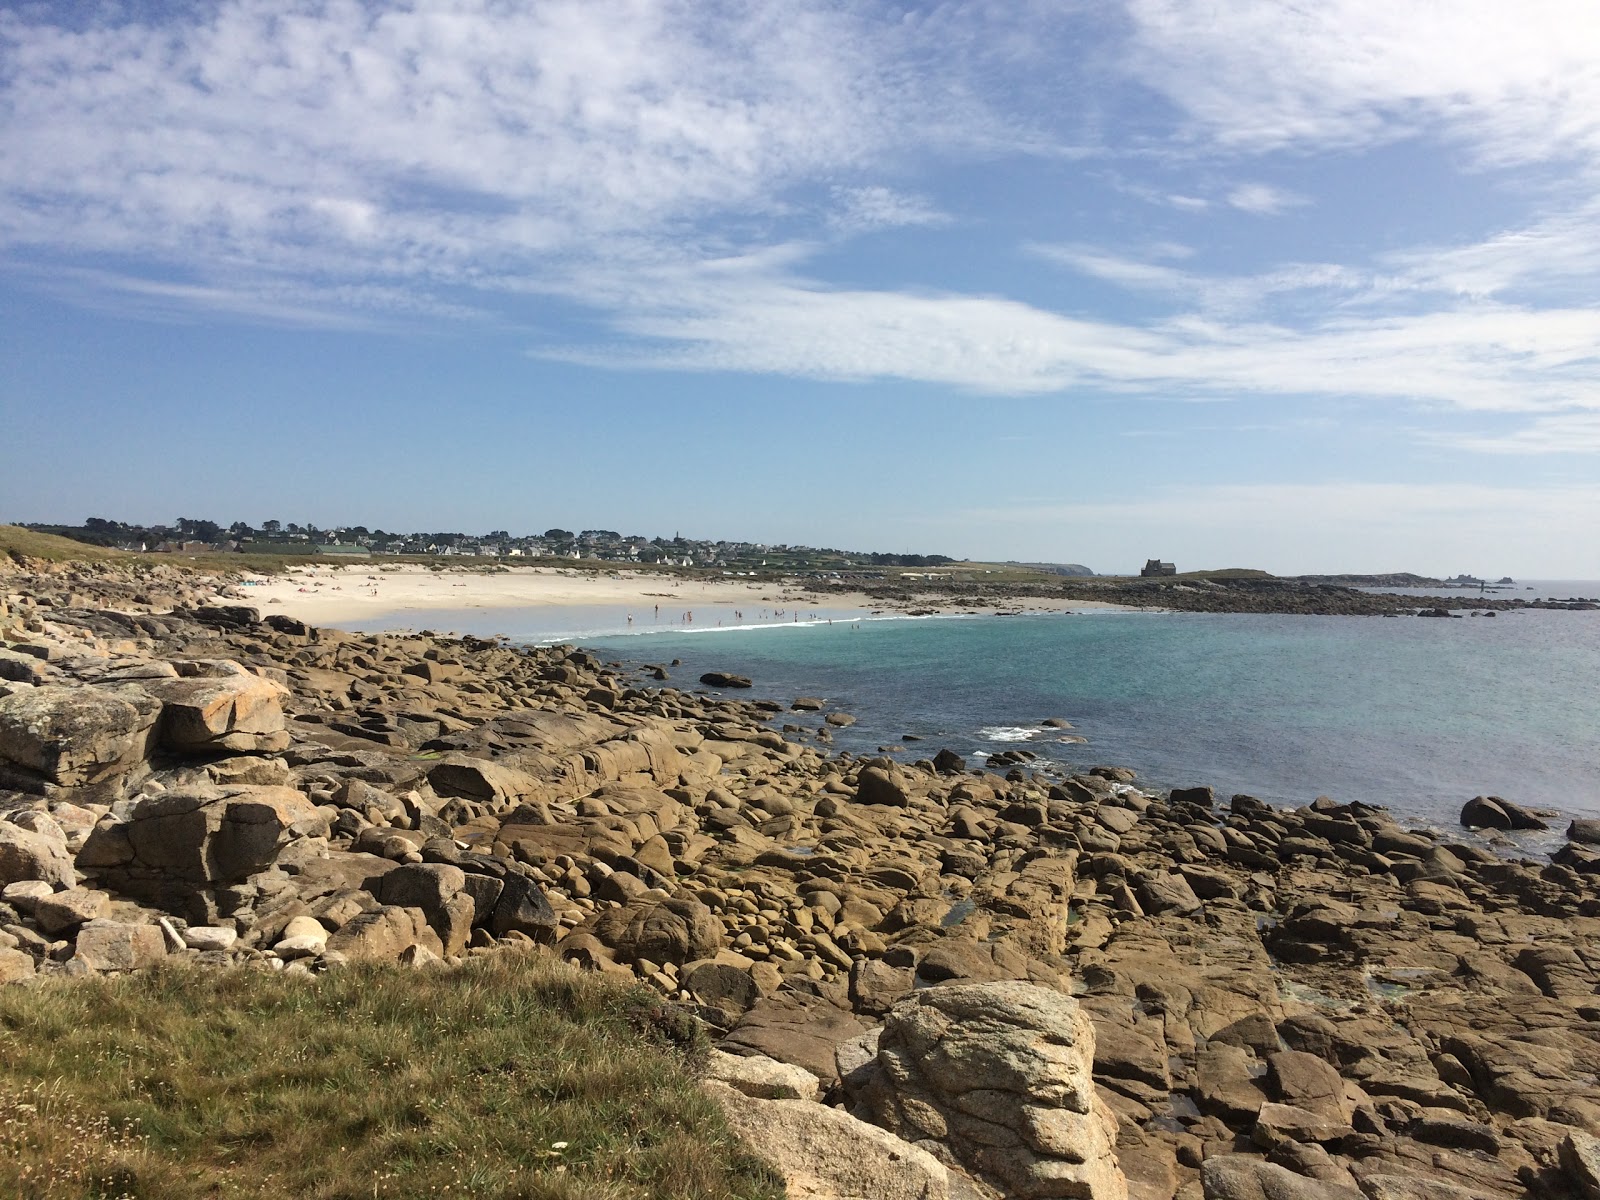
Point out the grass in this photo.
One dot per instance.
(514, 1076)
(18, 543)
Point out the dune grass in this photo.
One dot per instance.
(513, 1076)
(19, 543)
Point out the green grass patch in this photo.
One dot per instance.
(19, 543)
(513, 1076)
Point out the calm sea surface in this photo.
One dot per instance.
(1417, 714)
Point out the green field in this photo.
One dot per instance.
(513, 1076)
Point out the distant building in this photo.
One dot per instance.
(1155, 566)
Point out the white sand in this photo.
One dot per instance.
(329, 595)
(373, 595)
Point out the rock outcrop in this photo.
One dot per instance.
(999, 1077)
(1053, 982)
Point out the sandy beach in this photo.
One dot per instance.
(372, 596)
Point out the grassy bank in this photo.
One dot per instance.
(514, 1076)
(18, 543)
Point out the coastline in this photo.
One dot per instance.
(1234, 979)
(372, 597)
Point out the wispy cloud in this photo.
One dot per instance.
(1512, 83)
(764, 315)
(1566, 433)
(1263, 199)
(864, 209)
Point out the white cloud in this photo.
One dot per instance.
(1210, 293)
(1557, 251)
(864, 209)
(1516, 83)
(1263, 199)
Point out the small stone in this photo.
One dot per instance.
(303, 937)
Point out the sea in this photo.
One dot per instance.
(1419, 715)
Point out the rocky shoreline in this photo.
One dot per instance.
(1215, 595)
(925, 980)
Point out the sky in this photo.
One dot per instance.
(1300, 286)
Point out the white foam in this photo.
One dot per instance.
(1007, 733)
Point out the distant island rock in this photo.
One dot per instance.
(1394, 579)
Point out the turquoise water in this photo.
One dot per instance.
(1416, 714)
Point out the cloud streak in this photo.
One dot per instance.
(762, 315)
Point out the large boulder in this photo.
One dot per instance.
(1496, 812)
(1242, 1177)
(184, 841)
(520, 907)
(383, 934)
(465, 777)
(823, 1152)
(796, 1028)
(104, 945)
(660, 930)
(722, 679)
(26, 854)
(220, 706)
(73, 736)
(61, 912)
(439, 891)
(882, 782)
(1002, 1075)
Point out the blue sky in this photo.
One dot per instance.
(1303, 287)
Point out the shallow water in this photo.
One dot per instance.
(1416, 714)
(1420, 715)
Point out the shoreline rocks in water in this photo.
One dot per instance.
(980, 984)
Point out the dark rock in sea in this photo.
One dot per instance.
(1493, 812)
(1201, 796)
(1587, 832)
(720, 679)
(948, 762)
